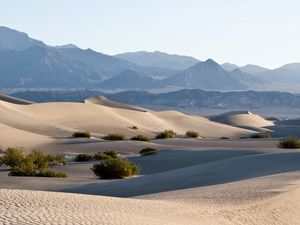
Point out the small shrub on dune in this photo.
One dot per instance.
(141, 138)
(114, 137)
(83, 157)
(290, 142)
(12, 157)
(148, 151)
(166, 134)
(82, 134)
(115, 169)
(224, 138)
(261, 136)
(33, 164)
(192, 134)
(50, 173)
(106, 155)
(134, 128)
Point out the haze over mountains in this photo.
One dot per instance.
(29, 63)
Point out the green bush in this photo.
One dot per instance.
(166, 134)
(192, 134)
(261, 136)
(114, 137)
(148, 151)
(82, 134)
(12, 157)
(33, 164)
(290, 142)
(115, 169)
(50, 173)
(141, 138)
(109, 154)
(83, 157)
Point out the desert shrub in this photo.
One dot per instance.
(33, 164)
(192, 134)
(224, 138)
(106, 155)
(166, 134)
(290, 142)
(134, 128)
(83, 157)
(12, 157)
(114, 137)
(115, 169)
(141, 138)
(261, 136)
(148, 151)
(82, 134)
(50, 173)
(57, 158)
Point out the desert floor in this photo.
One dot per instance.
(189, 181)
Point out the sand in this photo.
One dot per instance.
(189, 181)
(243, 119)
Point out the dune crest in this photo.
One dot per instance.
(101, 100)
(242, 119)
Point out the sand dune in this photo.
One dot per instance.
(28, 207)
(101, 100)
(61, 119)
(211, 173)
(242, 119)
(190, 181)
(11, 99)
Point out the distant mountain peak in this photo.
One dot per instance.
(65, 46)
(11, 39)
(159, 59)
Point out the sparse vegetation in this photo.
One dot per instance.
(114, 137)
(33, 164)
(118, 168)
(141, 138)
(166, 134)
(134, 128)
(83, 157)
(148, 151)
(106, 155)
(82, 134)
(224, 138)
(290, 142)
(261, 136)
(192, 134)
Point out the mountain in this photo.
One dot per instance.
(14, 40)
(207, 75)
(129, 79)
(188, 98)
(229, 66)
(28, 63)
(253, 69)
(289, 74)
(159, 59)
(44, 67)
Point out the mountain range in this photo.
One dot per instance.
(187, 98)
(29, 63)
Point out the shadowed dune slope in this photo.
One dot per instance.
(7, 98)
(223, 171)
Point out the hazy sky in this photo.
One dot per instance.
(264, 32)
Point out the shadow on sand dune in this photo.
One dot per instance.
(217, 172)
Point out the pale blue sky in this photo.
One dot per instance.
(264, 32)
